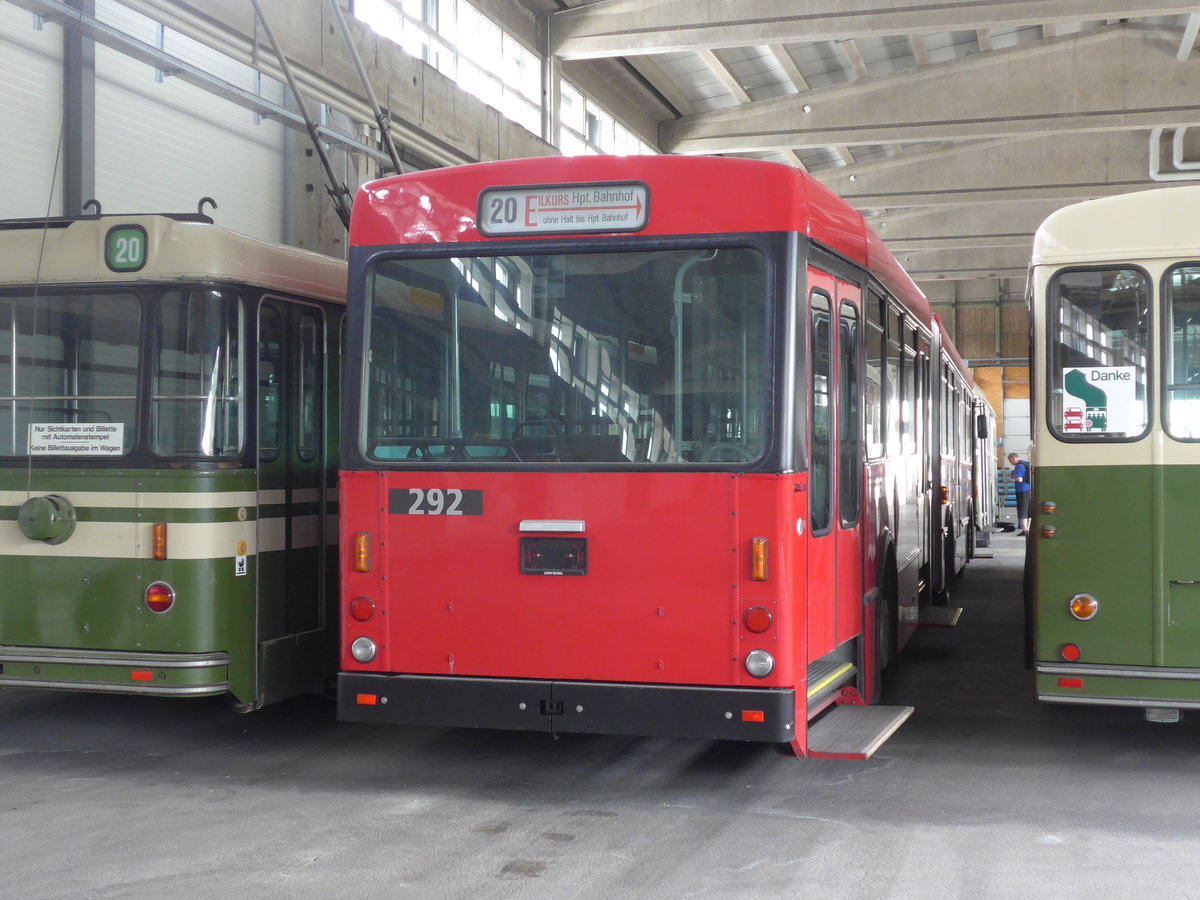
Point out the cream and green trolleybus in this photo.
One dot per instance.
(1114, 563)
(167, 481)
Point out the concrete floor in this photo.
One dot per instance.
(982, 793)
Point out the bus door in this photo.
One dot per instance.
(835, 464)
(291, 485)
(822, 535)
(849, 389)
(929, 507)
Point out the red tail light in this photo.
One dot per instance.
(160, 597)
(757, 619)
(362, 608)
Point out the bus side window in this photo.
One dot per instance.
(270, 381)
(309, 423)
(819, 474)
(850, 442)
(876, 354)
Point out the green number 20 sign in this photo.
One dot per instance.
(125, 248)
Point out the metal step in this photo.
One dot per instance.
(825, 678)
(939, 616)
(855, 732)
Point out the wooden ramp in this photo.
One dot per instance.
(855, 732)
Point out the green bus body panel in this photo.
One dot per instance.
(1130, 537)
(54, 598)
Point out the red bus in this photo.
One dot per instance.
(652, 445)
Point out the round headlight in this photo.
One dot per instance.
(759, 663)
(1084, 607)
(363, 649)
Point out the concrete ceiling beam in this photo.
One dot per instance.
(1119, 78)
(634, 27)
(1063, 168)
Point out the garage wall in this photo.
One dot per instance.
(162, 144)
(30, 114)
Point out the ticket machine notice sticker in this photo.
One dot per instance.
(564, 208)
(77, 439)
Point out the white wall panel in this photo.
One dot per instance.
(30, 114)
(162, 144)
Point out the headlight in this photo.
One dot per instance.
(759, 663)
(363, 649)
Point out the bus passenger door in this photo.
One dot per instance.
(849, 390)
(821, 401)
(291, 495)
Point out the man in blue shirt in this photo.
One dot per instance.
(1020, 477)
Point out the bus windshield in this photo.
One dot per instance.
(69, 363)
(1099, 354)
(625, 357)
(70, 382)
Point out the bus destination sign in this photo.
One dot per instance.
(564, 208)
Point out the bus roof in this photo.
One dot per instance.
(1142, 225)
(74, 252)
(684, 195)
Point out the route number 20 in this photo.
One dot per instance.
(504, 210)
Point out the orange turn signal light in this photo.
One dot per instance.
(362, 551)
(1084, 607)
(945, 492)
(158, 540)
(758, 559)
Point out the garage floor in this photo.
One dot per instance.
(982, 793)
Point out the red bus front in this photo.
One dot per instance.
(579, 452)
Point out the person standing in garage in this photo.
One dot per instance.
(1020, 476)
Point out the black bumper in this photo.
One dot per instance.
(583, 707)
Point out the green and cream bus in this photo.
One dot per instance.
(167, 480)
(1114, 562)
